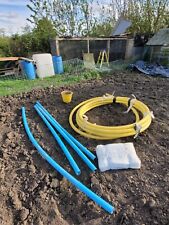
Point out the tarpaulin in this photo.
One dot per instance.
(151, 69)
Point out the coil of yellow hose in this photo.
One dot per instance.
(89, 130)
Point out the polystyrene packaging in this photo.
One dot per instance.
(117, 156)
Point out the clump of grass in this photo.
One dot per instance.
(9, 87)
(119, 65)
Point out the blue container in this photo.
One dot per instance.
(29, 69)
(58, 64)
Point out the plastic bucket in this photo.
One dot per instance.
(67, 96)
(58, 64)
(29, 69)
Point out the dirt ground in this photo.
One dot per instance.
(31, 192)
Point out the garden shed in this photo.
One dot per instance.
(159, 47)
(69, 48)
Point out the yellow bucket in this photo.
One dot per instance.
(67, 96)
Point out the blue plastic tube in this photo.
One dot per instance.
(71, 143)
(82, 148)
(60, 142)
(101, 202)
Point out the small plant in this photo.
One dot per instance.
(90, 74)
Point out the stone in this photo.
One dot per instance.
(33, 185)
(39, 221)
(3, 118)
(23, 165)
(13, 145)
(93, 222)
(151, 203)
(54, 183)
(15, 200)
(24, 214)
(143, 201)
(64, 183)
(47, 179)
(94, 181)
(2, 173)
(10, 135)
(32, 168)
(42, 194)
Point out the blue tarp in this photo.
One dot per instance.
(151, 69)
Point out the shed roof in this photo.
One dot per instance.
(161, 38)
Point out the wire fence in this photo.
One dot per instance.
(14, 73)
(71, 67)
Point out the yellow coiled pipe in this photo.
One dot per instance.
(89, 130)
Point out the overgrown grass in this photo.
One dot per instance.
(9, 87)
(114, 66)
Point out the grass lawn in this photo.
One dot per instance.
(9, 87)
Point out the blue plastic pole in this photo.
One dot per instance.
(101, 202)
(72, 144)
(60, 142)
(83, 148)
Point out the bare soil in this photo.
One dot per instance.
(32, 192)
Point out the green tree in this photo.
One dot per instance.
(43, 31)
(102, 30)
(4, 46)
(4, 43)
(61, 13)
(33, 40)
(20, 45)
(69, 17)
(147, 16)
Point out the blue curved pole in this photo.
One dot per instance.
(71, 143)
(83, 148)
(60, 142)
(101, 202)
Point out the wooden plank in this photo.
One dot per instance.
(91, 39)
(26, 59)
(3, 59)
(57, 48)
(88, 45)
(5, 69)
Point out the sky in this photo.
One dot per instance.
(13, 14)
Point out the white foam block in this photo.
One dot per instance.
(117, 156)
